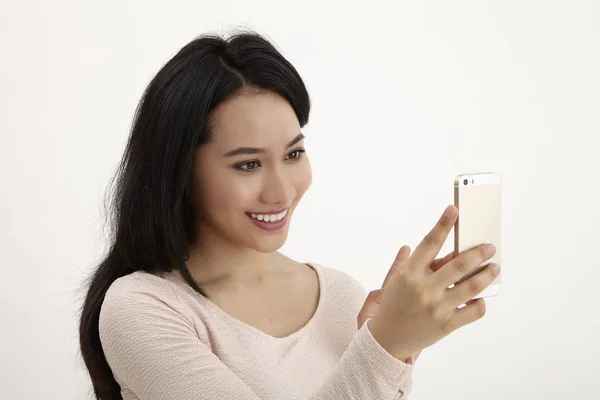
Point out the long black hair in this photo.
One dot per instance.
(152, 225)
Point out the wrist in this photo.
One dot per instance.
(389, 343)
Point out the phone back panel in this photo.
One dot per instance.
(479, 199)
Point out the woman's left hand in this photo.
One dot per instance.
(371, 305)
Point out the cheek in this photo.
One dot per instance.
(304, 179)
(229, 193)
(217, 192)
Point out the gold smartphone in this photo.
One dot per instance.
(478, 199)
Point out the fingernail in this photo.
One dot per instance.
(491, 249)
(495, 269)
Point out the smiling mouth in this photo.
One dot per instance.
(273, 218)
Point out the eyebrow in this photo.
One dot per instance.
(255, 150)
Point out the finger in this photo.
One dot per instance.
(430, 246)
(471, 312)
(401, 257)
(465, 291)
(440, 262)
(462, 265)
(374, 297)
(370, 307)
(416, 356)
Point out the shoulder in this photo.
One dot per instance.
(137, 286)
(139, 297)
(338, 279)
(340, 285)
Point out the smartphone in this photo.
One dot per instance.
(478, 199)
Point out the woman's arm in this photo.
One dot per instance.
(156, 353)
(154, 350)
(367, 371)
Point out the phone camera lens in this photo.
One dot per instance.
(466, 181)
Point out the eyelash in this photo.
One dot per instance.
(300, 152)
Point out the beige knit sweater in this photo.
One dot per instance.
(163, 341)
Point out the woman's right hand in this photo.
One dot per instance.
(417, 308)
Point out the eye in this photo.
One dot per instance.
(248, 166)
(296, 154)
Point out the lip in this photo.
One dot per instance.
(272, 212)
(270, 226)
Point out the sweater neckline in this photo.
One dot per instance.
(237, 322)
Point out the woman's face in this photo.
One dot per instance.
(247, 181)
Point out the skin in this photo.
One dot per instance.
(236, 262)
(373, 301)
(418, 307)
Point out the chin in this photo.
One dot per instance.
(264, 244)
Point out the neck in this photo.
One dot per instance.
(214, 260)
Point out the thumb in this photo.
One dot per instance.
(401, 258)
(370, 307)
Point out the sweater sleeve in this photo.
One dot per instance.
(155, 351)
(367, 371)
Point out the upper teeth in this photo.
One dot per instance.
(269, 217)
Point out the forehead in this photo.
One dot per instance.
(254, 119)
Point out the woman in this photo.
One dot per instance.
(193, 300)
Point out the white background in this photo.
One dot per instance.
(406, 95)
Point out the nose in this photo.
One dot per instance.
(278, 188)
